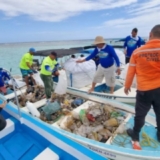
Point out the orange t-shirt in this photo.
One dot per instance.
(145, 63)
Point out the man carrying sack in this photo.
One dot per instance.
(106, 67)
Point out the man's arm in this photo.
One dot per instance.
(114, 55)
(125, 45)
(130, 73)
(91, 56)
(139, 42)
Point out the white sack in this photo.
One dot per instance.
(61, 86)
(82, 73)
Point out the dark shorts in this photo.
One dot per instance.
(2, 123)
(26, 72)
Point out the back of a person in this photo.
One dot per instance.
(26, 56)
(1, 79)
(147, 59)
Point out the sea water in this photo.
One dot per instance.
(11, 53)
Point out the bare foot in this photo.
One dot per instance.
(91, 90)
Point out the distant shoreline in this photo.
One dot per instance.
(110, 39)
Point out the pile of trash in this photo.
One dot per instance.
(32, 94)
(59, 105)
(98, 122)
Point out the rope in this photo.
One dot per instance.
(148, 141)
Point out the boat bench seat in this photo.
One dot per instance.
(47, 154)
(120, 92)
(10, 127)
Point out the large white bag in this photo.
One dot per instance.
(79, 74)
(61, 87)
(120, 55)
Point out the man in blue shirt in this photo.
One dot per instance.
(3, 77)
(131, 43)
(106, 67)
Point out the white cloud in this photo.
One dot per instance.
(56, 10)
(143, 16)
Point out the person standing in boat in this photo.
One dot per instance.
(145, 64)
(26, 66)
(3, 78)
(2, 120)
(47, 68)
(106, 67)
(131, 43)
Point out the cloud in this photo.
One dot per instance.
(141, 15)
(57, 10)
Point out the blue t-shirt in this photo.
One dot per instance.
(3, 76)
(131, 44)
(107, 55)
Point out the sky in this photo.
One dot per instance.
(51, 20)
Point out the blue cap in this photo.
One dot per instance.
(32, 50)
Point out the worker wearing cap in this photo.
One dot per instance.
(47, 68)
(26, 65)
(106, 67)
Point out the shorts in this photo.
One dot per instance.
(3, 89)
(107, 73)
(26, 72)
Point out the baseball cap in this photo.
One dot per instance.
(32, 50)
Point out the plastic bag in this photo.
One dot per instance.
(61, 87)
(38, 79)
(83, 117)
(32, 109)
(51, 108)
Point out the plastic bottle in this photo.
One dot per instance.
(32, 109)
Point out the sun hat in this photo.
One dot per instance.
(99, 40)
(32, 50)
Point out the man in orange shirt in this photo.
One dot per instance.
(145, 64)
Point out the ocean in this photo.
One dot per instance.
(11, 53)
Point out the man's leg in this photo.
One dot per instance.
(143, 105)
(30, 72)
(156, 107)
(51, 82)
(92, 88)
(25, 76)
(47, 85)
(109, 74)
(97, 78)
